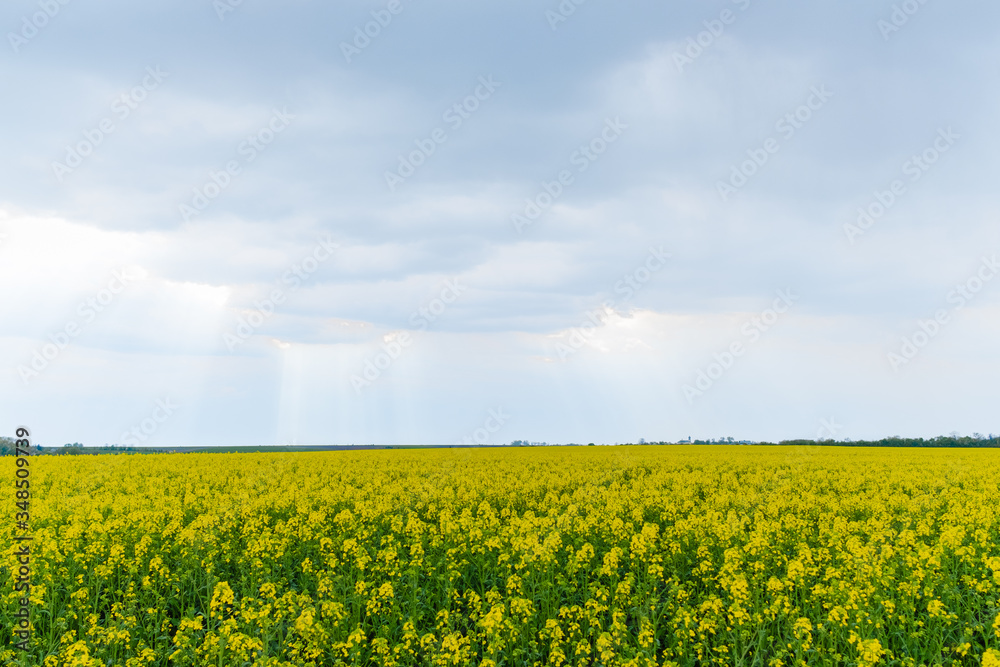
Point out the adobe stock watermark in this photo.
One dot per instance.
(752, 330)
(88, 310)
(714, 29)
(121, 108)
(484, 434)
(248, 150)
(30, 26)
(828, 429)
(263, 309)
(582, 158)
(145, 429)
(562, 12)
(363, 35)
(900, 16)
(787, 126)
(393, 344)
(959, 297)
(455, 116)
(915, 167)
(223, 7)
(629, 285)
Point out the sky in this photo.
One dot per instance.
(434, 222)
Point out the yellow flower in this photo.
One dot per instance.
(221, 596)
(870, 652)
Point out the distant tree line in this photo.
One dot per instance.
(7, 448)
(953, 440)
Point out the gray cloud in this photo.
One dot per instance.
(657, 185)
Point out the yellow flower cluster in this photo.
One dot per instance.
(627, 556)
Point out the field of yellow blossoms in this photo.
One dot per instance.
(673, 555)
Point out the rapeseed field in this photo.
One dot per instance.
(558, 556)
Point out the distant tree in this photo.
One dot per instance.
(8, 447)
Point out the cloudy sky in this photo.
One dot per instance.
(429, 221)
